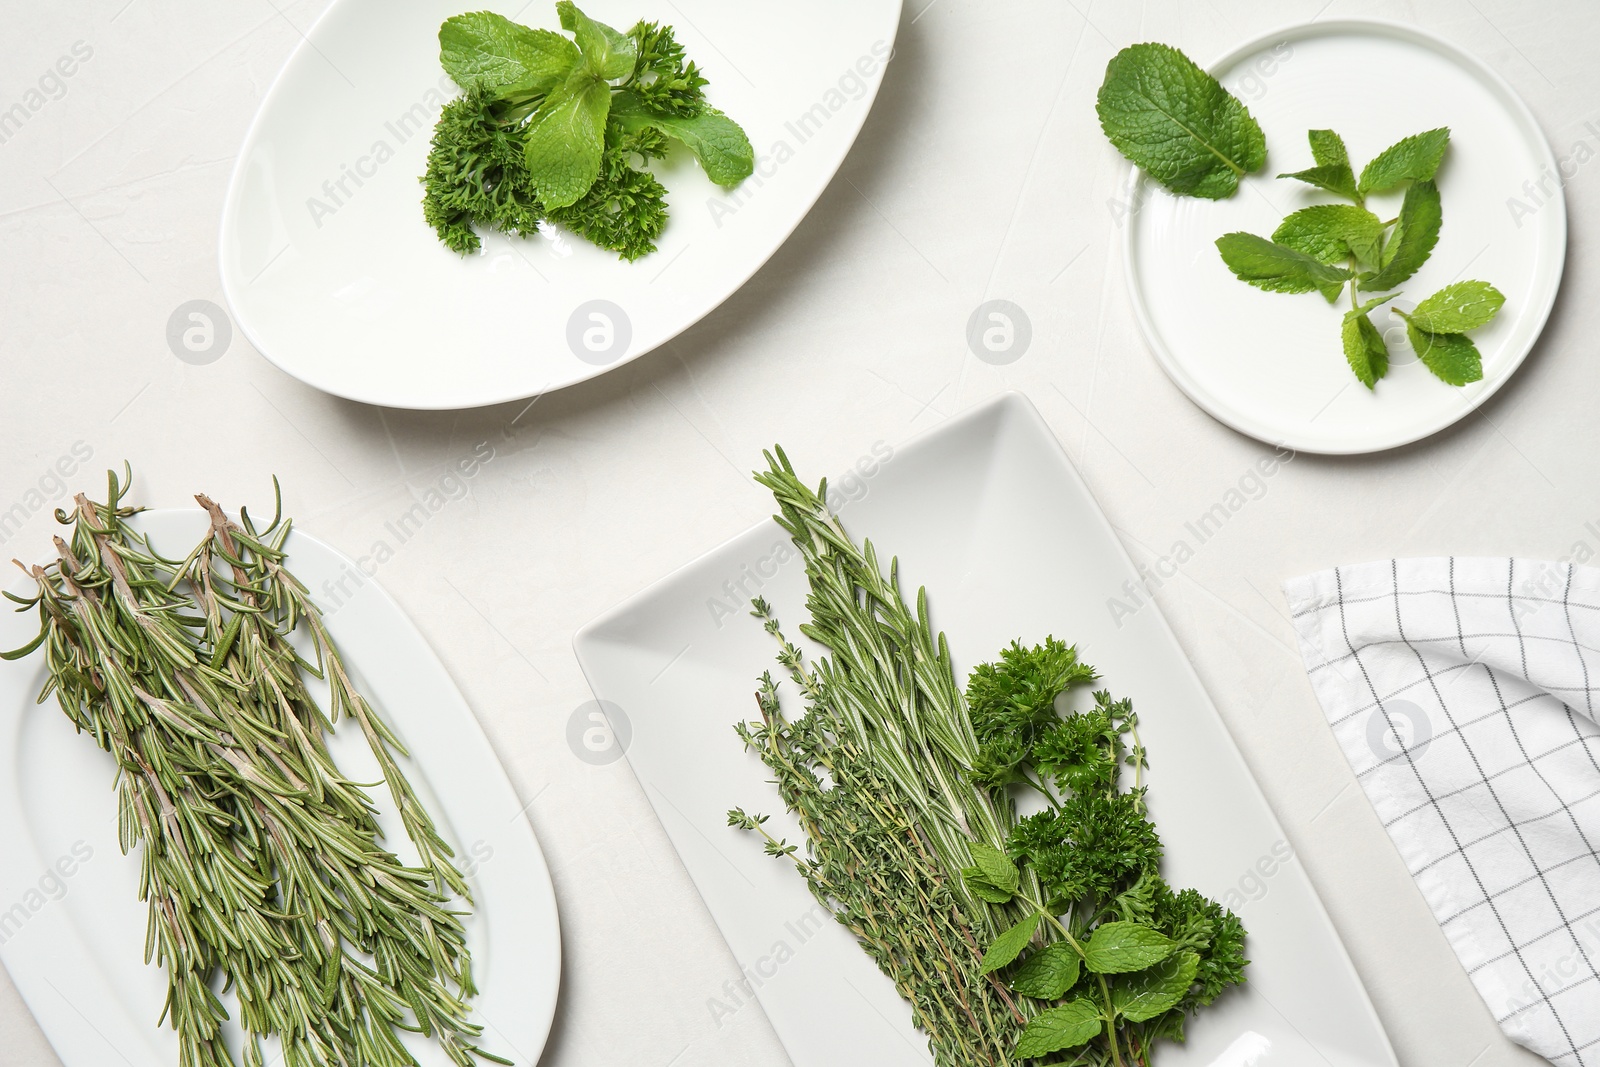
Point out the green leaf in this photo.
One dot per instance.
(1332, 233)
(1060, 1028)
(1117, 947)
(715, 139)
(1048, 973)
(482, 50)
(1149, 993)
(566, 139)
(606, 52)
(1411, 242)
(1364, 348)
(1332, 171)
(1414, 159)
(1009, 945)
(1458, 307)
(1177, 122)
(1334, 179)
(996, 866)
(1452, 357)
(983, 890)
(1327, 148)
(1279, 269)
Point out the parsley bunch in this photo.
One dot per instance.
(1013, 939)
(1110, 956)
(1327, 246)
(561, 130)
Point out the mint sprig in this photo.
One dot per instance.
(1324, 247)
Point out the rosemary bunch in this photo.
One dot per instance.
(262, 865)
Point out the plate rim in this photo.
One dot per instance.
(28, 984)
(1005, 405)
(1138, 183)
(230, 210)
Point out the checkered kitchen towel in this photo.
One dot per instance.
(1464, 693)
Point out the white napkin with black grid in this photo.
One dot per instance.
(1464, 692)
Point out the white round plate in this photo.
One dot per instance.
(333, 275)
(1270, 364)
(73, 938)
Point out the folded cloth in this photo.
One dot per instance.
(1463, 692)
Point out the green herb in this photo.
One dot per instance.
(1177, 123)
(1415, 159)
(1451, 356)
(261, 863)
(559, 130)
(1278, 268)
(1364, 349)
(1458, 308)
(1325, 246)
(1012, 939)
(1332, 171)
(1411, 241)
(1334, 233)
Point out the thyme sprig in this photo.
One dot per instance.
(262, 864)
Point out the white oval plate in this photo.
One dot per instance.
(1270, 364)
(72, 928)
(333, 275)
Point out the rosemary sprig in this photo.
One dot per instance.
(260, 862)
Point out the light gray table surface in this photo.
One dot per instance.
(981, 173)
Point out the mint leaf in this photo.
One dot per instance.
(994, 877)
(1332, 171)
(1177, 122)
(716, 140)
(1059, 1028)
(566, 139)
(1147, 994)
(482, 50)
(1327, 148)
(607, 53)
(1125, 946)
(983, 889)
(1364, 348)
(1048, 973)
(1009, 945)
(1414, 159)
(1332, 233)
(1278, 269)
(996, 866)
(1452, 357)
(1458, 307)
(1412, 240)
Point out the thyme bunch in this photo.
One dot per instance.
(262, 864)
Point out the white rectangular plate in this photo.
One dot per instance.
(72, 929)
(987, 513)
